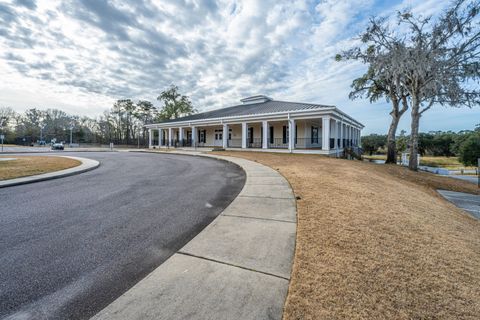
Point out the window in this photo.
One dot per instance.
(314, 136)
(271, 135)
(218, 134)
(296, 127)
(202, 136)
(250, 135)
(285, 134)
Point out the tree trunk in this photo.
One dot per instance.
(391, 142)
(412, 162)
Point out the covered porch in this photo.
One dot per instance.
(323, 135)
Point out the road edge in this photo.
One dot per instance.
(86, 165)
(246, 288)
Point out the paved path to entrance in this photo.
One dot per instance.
(237, 268)
(465, 201)
(71, 246)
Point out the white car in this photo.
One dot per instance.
(57, 146)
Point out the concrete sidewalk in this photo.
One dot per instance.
(86, 165)
(237, 268)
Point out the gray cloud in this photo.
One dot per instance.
(214, 50)
(143, 48)
(13, 57)
(30, 4)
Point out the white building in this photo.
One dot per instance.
(261, 124)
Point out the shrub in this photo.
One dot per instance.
(470, 149)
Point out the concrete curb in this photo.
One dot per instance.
(57, 152)
(87, 165)
(238, 267)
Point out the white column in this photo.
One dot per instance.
(180, 136)
(170, 137)
(244, 135)
(347, 135)
(225, 135)
(291, 134)
(350, 134)
(149, 138)
(194, 136)
(160, 134)
(334, 133)
(341, 135)
(340, 124)
(326, 133)
(265, 135)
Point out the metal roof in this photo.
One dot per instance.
(270, 106)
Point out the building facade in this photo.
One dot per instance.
(260, 124)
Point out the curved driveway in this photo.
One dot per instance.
(70, 246)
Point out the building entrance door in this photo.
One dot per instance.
(218, 139)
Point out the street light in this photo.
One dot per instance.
(71, 128)
(138, 138)
(42, 127)
(2, 136)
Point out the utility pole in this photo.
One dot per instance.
(71, 129)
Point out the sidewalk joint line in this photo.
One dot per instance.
(260, 197)
(231, 265)
(266, 184)
(256, 218)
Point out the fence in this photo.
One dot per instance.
(308, 143)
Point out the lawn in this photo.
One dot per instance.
(450, 163)
(377, 242)
(24, 166)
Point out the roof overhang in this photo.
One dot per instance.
(333, 112)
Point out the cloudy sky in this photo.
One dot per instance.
(82, 55)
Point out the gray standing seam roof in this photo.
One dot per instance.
(251, 109)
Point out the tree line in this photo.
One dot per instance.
(416, 62)
(123, 123)
(464, 144)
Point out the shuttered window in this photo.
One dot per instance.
(314, 135)
(250, 135)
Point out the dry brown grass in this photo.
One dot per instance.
(377, 242)
(28, 166)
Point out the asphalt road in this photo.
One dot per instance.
(465, 201)
(69, 247)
